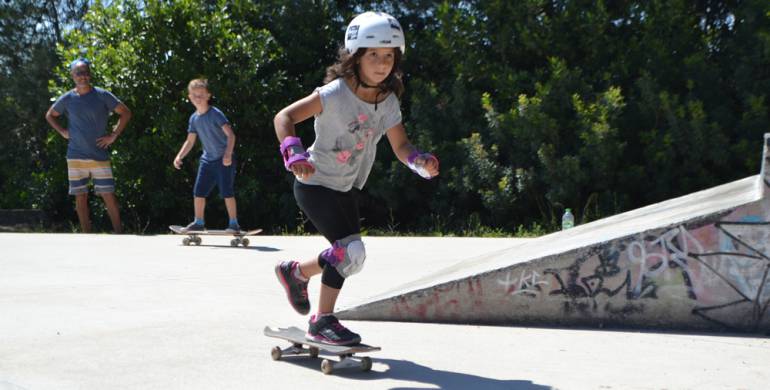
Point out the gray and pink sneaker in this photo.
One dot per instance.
(327, 329)
(296, 289)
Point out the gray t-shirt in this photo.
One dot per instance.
(208, 127)
(86, 121)
(346, 136)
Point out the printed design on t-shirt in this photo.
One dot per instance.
(351, 145)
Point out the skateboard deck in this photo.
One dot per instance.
(194, 237)
(345, 353)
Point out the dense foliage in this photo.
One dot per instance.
(532, 106)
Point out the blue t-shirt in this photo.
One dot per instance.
(208, 127)
(87, 120)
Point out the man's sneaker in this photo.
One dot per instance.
(234, 228)
(328, 330)
(194, 227)
(296, 290)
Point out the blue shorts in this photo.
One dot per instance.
(213, 173)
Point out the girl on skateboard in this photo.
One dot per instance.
(358, 104)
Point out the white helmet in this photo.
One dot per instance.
(374, 29)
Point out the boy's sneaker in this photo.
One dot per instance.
(328, 330)
(194, 227)
(235, 228)
(296, 290)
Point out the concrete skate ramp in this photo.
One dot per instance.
(697, 262)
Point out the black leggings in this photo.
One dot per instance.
(334, 214)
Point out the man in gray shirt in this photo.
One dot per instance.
(87, 109)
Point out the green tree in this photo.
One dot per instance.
(29, 31)
(145, 53)
(531, 106)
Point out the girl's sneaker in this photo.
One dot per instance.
(328, 330)
(233, 228)
(296, 290)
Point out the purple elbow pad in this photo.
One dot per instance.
(420, 169)
(293, 152)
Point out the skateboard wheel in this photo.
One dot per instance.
(186, 241)
(327, 366)
(198, 240)
(234, 242)
(366, 363)
(245, 242)
(313, 352)
(275, 353)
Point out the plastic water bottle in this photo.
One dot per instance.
(567, 220)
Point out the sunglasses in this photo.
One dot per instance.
(82, 73)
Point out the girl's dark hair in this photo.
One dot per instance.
(346, 67)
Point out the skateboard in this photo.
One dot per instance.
(298, 342)
(195, 237)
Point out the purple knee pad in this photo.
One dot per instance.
(335, 254)
(346, 255)
(293, 152)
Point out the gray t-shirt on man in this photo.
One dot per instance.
(346, 136)
(86, 121)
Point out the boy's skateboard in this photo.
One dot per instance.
(296, 337)
(194, 236)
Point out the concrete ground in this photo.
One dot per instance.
(145, 312)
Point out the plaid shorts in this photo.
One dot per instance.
(80, 171)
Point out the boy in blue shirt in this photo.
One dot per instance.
(87, 109)
(217, 163)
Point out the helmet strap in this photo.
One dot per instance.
(361, 83)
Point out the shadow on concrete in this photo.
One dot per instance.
(253, 248)
(410, 371)
(405, 370)
(241, 248)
